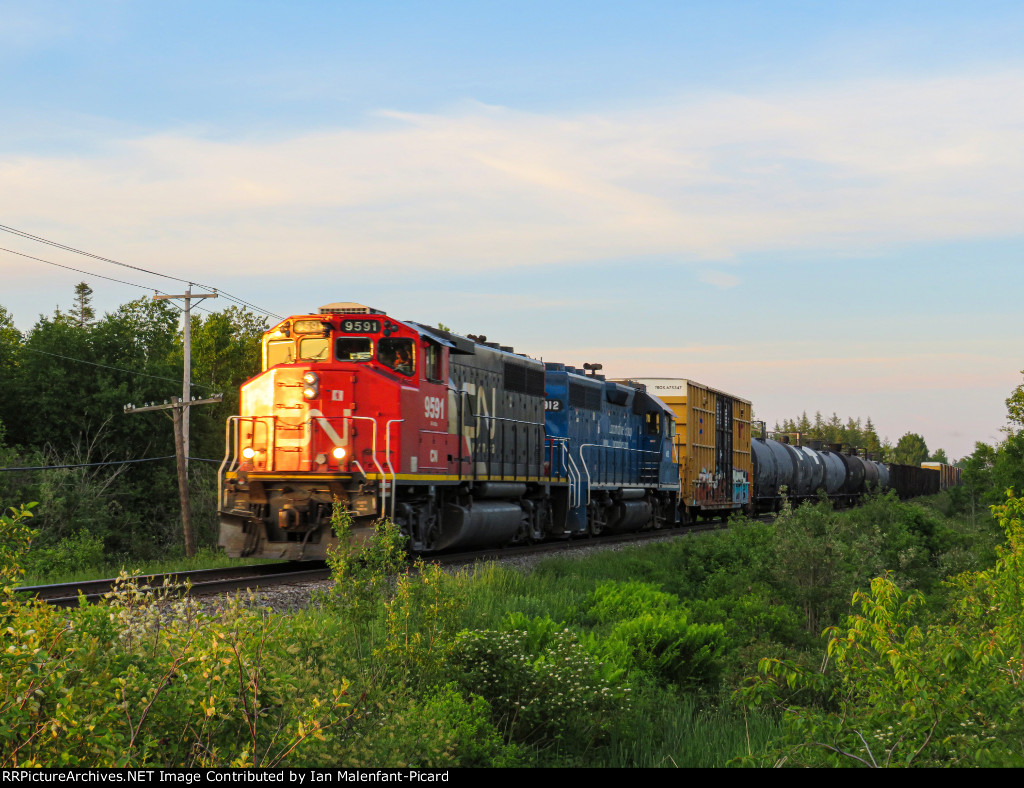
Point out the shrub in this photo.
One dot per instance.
(613, 601)
(543, 686)
(80, 552)
(900, 689)
(443, 729)
(645, 629)
(144, 679)
(669, 648)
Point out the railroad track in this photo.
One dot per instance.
(199, 582)
(205, 582)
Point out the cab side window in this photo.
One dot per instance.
(432, 362)
(397, 354)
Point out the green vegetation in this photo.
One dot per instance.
(65, 383)
(79, 558)
(624, 658)
(899, 688)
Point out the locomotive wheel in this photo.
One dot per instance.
(658, 515)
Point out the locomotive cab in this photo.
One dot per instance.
(331, 407)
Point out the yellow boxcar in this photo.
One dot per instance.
(712, 445)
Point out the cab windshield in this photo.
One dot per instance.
(314, 348)
(353, 349)
(280, 351)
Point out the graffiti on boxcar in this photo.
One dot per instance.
(740, 487)
(710, 490)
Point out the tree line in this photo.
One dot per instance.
(911, 448)
(65, 384)
(988, 472)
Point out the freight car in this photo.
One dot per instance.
(712, 445)
(804, 472)
(460, 441)
(949, 475)
(910, 481)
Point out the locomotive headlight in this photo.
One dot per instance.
(248, 452)
(312, 381)
(339, 453)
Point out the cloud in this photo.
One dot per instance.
(702, 178)
(719, 279)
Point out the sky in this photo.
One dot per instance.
(814, 206)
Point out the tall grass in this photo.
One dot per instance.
(688, 732)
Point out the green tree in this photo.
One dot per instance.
(1015, 405)
(910, 450)
(10, 355)
(82, 313)
(870, 440)
(225, 354)
(939, 456)
(898, 691)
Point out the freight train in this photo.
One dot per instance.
(466, 443)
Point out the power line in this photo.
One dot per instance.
(107, 366)
(97, 464)
(99, 276)
(76, 270)
(40, 239)
(87, 464)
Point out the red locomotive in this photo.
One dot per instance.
(442, 434)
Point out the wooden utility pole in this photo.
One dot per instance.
(177, 408)
(186, 377)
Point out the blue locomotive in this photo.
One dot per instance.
(618, 451)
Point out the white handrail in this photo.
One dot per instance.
(387, 459)
(383, 479)
(227, 453)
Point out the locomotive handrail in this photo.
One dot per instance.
(231, 445)
(566, 465)
(387, 459)
(575, 481)
(459, 413)
(515, 447)
(614, 448)
(227, 454)
(503, 418)
(373, 438)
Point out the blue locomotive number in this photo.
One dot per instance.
(554, 405)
